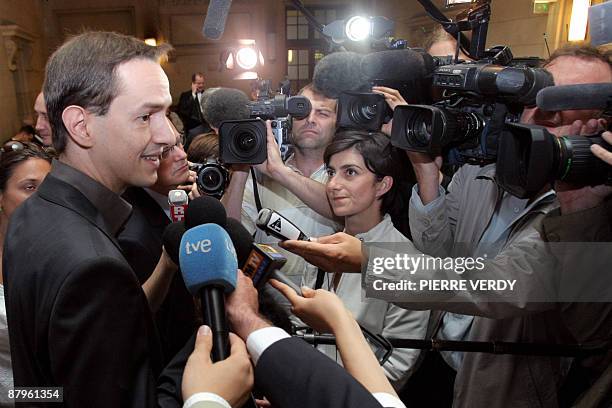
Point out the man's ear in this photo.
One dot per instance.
(75, 120)
(383, 186)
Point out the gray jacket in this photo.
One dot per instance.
(455, 229)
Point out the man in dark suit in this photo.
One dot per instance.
(190, 108)
(78, 317)
(141, 241)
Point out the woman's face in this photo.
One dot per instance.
(24, 181)
(352, 189)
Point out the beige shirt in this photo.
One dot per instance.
(278, 198)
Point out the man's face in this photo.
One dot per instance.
(569, 70)
(317, 130)
(198, 84)
(128, 140)
(43, 128)
(173, 169)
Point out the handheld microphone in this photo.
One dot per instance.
(178, 201)
(259, 262)
(581, 96)
(208, 264)
(214, 23)
(205, 210)
(278, 226)
(171, 240)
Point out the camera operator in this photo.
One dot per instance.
(477, 217)
(284, 187)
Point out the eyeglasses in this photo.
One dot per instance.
(180, 141)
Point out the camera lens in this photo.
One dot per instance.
(246, 141)
(362, 112)
(210, 179)
(418, 129)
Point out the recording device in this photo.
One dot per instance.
(211, 177)
(171, 240)
(245, 141)
(205, 210)
(208, 264)
(531, 158)
(278, 226)
(178, 201)
(216, 16)
(359, 110)
(581, 96)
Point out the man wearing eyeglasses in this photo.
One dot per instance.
(141, 241)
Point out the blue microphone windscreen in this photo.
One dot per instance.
(207, 257)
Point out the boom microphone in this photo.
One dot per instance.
(278, 226)
(214, 23)
(581, 96)
(340, 72)
(208, 264)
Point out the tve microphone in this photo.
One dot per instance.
(276, 225)
(214, 23)
(581, 96)
(208, 264)
(178, 204)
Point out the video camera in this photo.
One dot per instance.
(244, 141)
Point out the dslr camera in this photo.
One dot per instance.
(211, 177)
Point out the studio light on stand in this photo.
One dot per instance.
(243, 60)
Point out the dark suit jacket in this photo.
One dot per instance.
(290, 373)
(189, 111)
(78, 317)
(141, 241)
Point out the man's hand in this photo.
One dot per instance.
(602, 153)
(242, 308)
(273, 166)
(320, 309)
(194, 88)
(190, 186)
(427, 171)
(574, 198)
(231, 379)
(339, 252)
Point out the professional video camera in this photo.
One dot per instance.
(244, 141)
(478, 99)
(211, 177)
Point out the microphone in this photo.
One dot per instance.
(225, 104)
(581, 96)
(208, 264)
(278, 226)
(397, 66)
(205, 210)
(351, 72)
(178, 204)
(171, 240)
(214, 23)
(259, 262)
(340, 72)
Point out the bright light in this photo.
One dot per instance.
(151, 41)
(578, 21)
(246, 58)
(357, 28)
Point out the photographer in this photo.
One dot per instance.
(283, 186)
(475, 218)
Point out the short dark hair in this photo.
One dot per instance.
(225, 104)
(82, 72)
(382, 159)
(583, 51)
(195, 75)
(311, 88)
(203, 146)
(10, 159)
